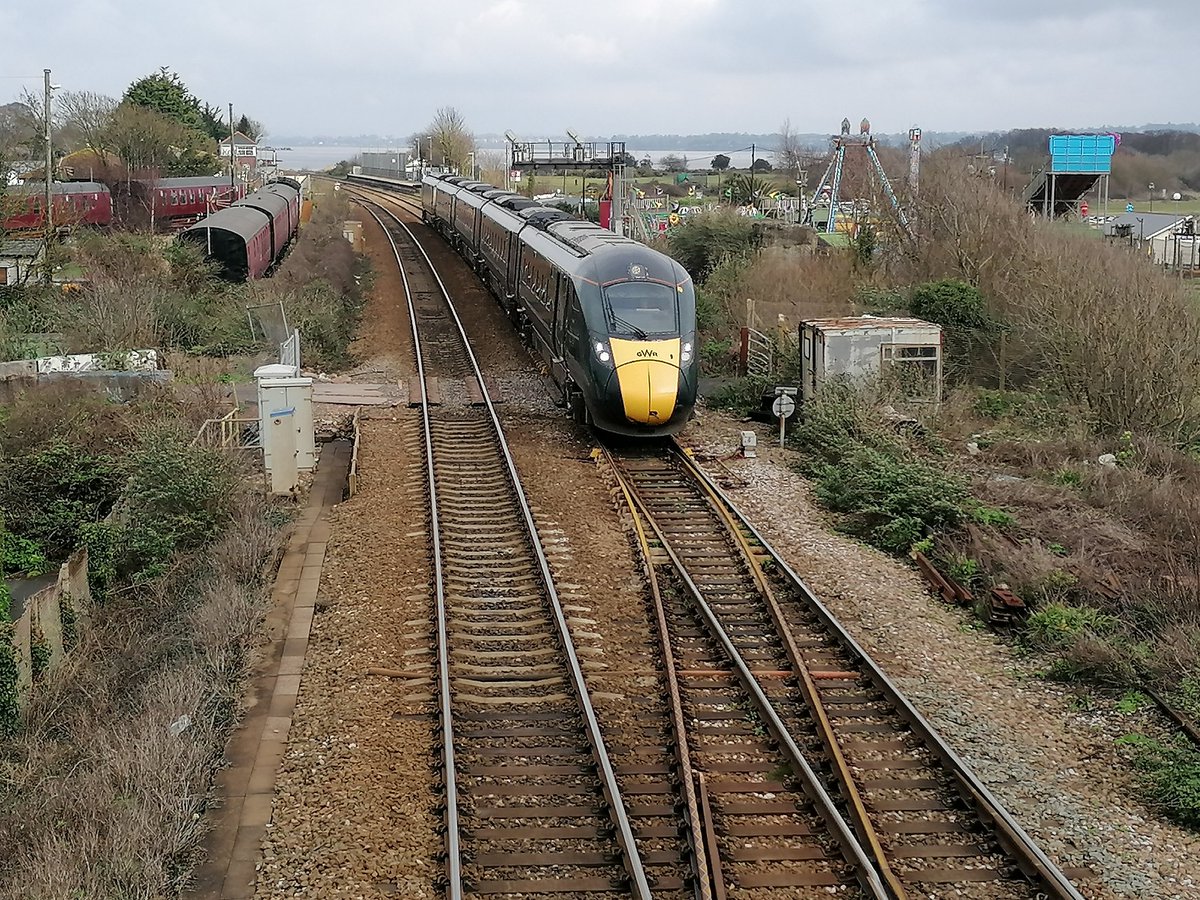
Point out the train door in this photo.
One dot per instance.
(559, 283)
(568, 320)
(513, 262)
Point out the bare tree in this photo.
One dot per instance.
(491, 165)
(447, 141)
(145, 140)
(790, 157)
(88, 115)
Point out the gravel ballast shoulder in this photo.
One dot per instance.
(1056, 767)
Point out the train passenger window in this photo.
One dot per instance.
(644, 307)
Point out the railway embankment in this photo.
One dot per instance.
(125, 675)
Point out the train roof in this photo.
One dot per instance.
(59, 187)
(264, 199)
(192, 181)
(282, 189)
(244, 221)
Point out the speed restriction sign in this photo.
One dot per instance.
(783, 406)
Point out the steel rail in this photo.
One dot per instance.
(1020, 846)
(709, 882)
(841, 768)
(453, 848)
(852, 850)
(631, 860)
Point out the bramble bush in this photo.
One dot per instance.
(888, 494)
(705, 240)
(178, 498)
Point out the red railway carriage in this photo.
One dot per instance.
(291, 195)
(191, 198)
(238, 238)
(74, 203)
(249, 236)
(275, 207)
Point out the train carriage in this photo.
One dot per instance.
(190, 197)
(276, 208)
(73, 202)
(498, 228)
(237, 238)
(614, 319)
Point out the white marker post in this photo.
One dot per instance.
(784, 406)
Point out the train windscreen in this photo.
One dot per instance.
(640, 308)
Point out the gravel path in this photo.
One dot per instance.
(353, 809)
(1054, 766)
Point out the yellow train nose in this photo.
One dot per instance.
(648, 376)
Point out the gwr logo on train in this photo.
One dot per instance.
(647, 353)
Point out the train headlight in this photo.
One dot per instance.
(686, 354)
(602, 353)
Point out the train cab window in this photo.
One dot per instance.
(641, 307)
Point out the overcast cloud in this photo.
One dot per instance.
(637, 66)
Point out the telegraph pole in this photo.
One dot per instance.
(49, 217)
(232, 185)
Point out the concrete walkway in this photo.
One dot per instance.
(244, 789)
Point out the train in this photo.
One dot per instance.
(137, 201)
(614, 320)
(248, 237)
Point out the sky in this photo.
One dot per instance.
(538, 67)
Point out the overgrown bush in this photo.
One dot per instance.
(49, 494)
(706, 239)
(1095, 322)
(954, 304)
(104, 794)
(177, 498)
(888, 494)
(1171, 776)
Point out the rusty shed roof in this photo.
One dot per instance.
(867, 323)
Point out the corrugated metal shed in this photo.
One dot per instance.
(867, 323)
(20, 249)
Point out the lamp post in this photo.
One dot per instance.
(1152, 196)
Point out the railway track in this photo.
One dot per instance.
(780, 762)
(734, 612)
(532, 803)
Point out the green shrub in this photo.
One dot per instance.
(705, 240)
(1170, 776)
(69, 620)
(990, 515)
(39, 654)
(10, 708)
(1066, 477)
(21, 556)
(891, 496)
(177, 498)
(1059, 625)
(50, 493)
(954, 304)
(742, 396)
(715, 358)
